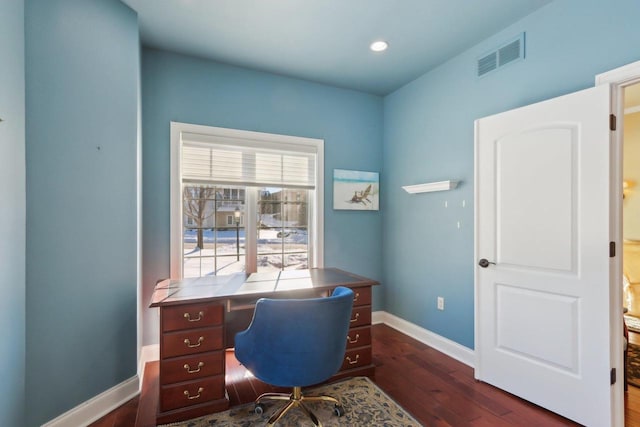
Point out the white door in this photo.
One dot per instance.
(542, 216)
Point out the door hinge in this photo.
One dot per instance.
(612, 121)
(613, 376)
(612, 249)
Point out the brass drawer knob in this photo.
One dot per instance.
(354, 361)
(200, 390)
(193, 371)
(187, 341)
(197, 319)
(353, 341)
(355, 298)
(355, 319)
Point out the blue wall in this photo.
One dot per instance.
(190, 90)
(82, 79)
(12, 213)
(428, 136)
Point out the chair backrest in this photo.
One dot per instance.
(296, 342)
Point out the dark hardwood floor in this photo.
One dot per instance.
(632, 396)
(436, 389)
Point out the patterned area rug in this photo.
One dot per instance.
(633, 365)
(364, 404)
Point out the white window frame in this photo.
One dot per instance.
(267, 140)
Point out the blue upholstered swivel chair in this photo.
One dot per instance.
(296, 343)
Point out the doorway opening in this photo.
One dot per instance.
(631, 247)
(624, 83)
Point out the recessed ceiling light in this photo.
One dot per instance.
(379, 46)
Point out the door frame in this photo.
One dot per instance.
(619, 79)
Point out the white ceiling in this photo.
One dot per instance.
(327, 40)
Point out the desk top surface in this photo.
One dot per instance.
(256, 285)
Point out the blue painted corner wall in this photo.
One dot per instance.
(82, 83)
(12, 213)
(190, 90)
(428, 136)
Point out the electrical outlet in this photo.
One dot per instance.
(440, 303)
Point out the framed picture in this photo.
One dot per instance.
(356, 190)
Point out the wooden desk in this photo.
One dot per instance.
(199, 318)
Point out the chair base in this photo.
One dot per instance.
(296, 399)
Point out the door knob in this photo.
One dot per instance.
(484, 263)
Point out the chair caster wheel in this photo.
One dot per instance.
(338, 410)
(258, 409)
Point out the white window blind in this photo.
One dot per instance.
(233, 161)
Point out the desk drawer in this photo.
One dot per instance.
(191, 393)
(357, 357)
(361, 296)
(191, 367)
(359, 337)
(360, 316)
(192, 341)
(188, 316)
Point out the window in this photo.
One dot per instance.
(283, 232)
(244, 201)
(212, 238)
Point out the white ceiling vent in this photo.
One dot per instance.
(507, 53)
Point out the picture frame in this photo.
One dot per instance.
(356, 190)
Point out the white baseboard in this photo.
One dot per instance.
(148, 353)
(450, 348)
(98, 406)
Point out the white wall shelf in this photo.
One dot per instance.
(431, 186)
